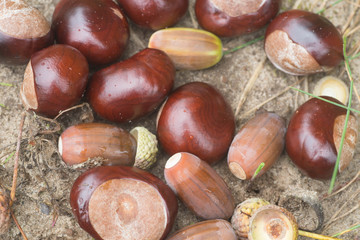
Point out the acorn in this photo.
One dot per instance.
(202, 190)
(188, 48)
(260, 140)
(272, 222)
(217, 229)
(240, 220)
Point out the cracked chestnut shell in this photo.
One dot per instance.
(132, 88)
(154, 14)
(114, 145)
(199, 186)
(217, 229)
(97, 28)
(196, 119)
(23, 31)
(314, 134)
(54, 80)
(300, 43)
(123, 203)
(234, 18)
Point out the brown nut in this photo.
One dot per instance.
(198, 185)
(260, 140)
(217, 229)
(81, 142)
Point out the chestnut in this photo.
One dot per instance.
(132, 88)
(154, 14)
(23, 31)
(97, 28)
(54, 80)
(314, 134)
(217, 229)
(120, 202)
(88, 140)
(234, 18)
(260, 140)
(299, 43)
(202, 190)
(196, 119)
(188, 48)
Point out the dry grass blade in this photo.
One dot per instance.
(348, 22)
(18, 225)
(250, 84)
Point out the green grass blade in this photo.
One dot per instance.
(244, 45)
(261, 166)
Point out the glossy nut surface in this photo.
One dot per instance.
(154, 14)
(23, 31)
(133, 88)
(196, 119)
(199, 186)
(54, 80)
(79, 143)
(233, 18)
(313, 138)
(188, 48)
(217, 229)
(97, 28)
(299, 43)
(123, 203)
(260, 140)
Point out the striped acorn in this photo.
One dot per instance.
(188, 48)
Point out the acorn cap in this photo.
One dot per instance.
(146, 147)
(333, 87)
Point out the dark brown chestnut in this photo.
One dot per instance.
(89, 140)
(133, 88)
(217, 229)
(23, 31)
(123, 203)
(199, 186)
(260, 140)
(54, 80)
(154, 14)
(314, 134)
(97, 28)
(196, 119)
(300, 42)
(234, 18)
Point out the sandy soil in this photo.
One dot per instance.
(44, 182)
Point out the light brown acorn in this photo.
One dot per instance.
(199, 186)
(260, 140)
(217, 229)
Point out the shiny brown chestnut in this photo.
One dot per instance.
(196, 119)
(23, 31)
(299, 42)
(154, 14)
(217, 229)
(234, 18)
(260, 140)
(54, 80)
(97, 28)
(199, 186)
(81, 142)
(132, 88)
(123, 203)
(314, 134)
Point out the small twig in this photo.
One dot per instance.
(270, 99)
(345, 214)
(18, 225)
(346, 25)
(56, 129)
(16, 163)
(73, 108)
(250, 84)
